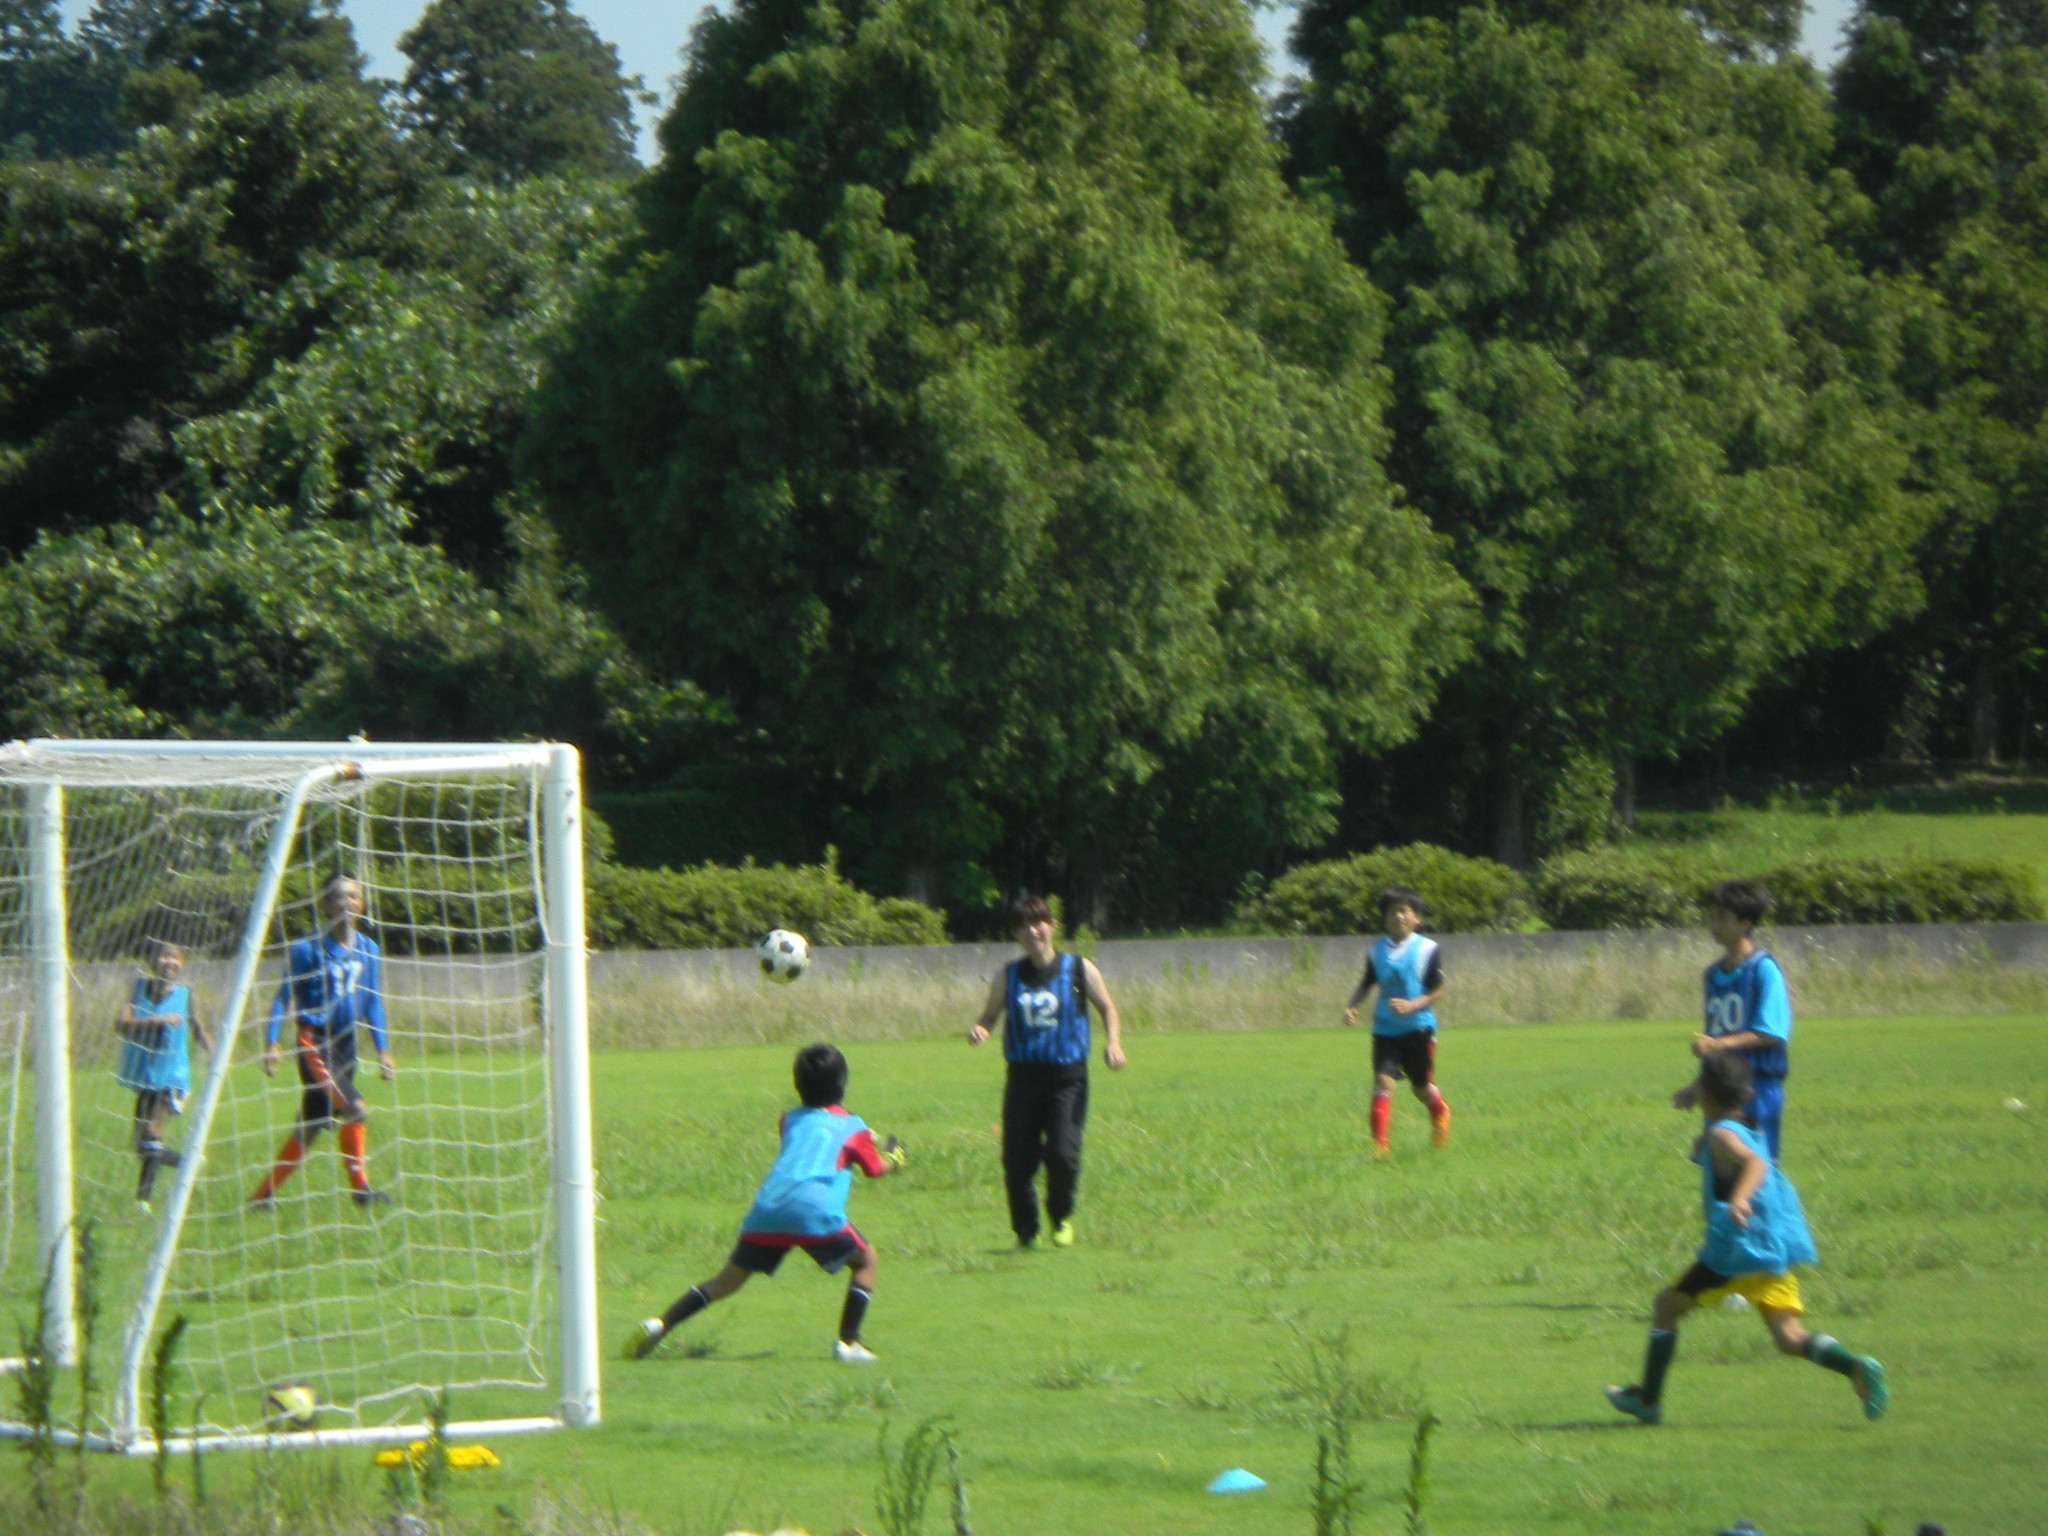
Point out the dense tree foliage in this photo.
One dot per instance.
(1635, 381)
(982, 423)
(998, 440)
(518, 88)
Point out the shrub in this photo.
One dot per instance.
(1604, 888)
(1339, 896)
(1817, 891)
(713, 906)
(1608, 888)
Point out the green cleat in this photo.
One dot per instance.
(1630, 1401)
(644, 1339)
(1872, 1387)
(1063, 1234)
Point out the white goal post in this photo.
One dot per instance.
(448, 1245)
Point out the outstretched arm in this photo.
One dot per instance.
(991, 1011)
(1112, 1021)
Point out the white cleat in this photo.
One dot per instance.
(855, 1353)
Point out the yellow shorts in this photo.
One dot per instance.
(1780, 1293)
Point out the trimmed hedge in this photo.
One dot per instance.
(1342, 896)
(1817, 891)
(715, 906)
(1603, 888)
(1598, 888)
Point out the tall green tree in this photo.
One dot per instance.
(55, 99)
(982, 424)
(1945, 125)
(1635, 382)
(518, 88)
(167, 54)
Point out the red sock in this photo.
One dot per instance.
(1382, 1116)
(354, 1154)
(1439, 1106)
(289, 1156)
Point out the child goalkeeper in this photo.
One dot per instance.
(801, 1204)
(1756, 1232)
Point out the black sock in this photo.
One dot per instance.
(1829, 1355)
(688, 1305)
(853, 1314)
(1657, 1360)
(152, 1159)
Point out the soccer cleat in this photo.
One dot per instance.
(1872, 1387)
(369, 1197)
(1026, 1244)
(1381, 1151)
(645, 1338)
(142, 1205)
(263, 1203)
(1630, 1401)
(854, 1353)
(1063, 1234)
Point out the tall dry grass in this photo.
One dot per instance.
(641, 1010)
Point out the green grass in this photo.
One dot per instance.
(1974, 818)
(1229, 1222)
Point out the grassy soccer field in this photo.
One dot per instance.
(1230, 1226)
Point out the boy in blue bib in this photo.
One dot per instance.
(1407, 967)
(1748, 1005)
(801, 1204)
(1756, 1233)
(156, 1058)
(1041, 1002)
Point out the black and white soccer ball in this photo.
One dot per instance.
(784, 954)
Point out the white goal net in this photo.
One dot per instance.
(377, 1237)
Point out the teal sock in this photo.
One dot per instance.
(1663, 1345)
(1830, 1355)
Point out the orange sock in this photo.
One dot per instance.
(1382, 1117)
(355, 1155)
(289, 1156)
(1440, 1115)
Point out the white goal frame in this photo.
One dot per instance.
(40, 769)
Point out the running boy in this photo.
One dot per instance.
(1042, 1003)
(1408, 969)
(1756, 1232)
(1748, 1006)
(156, 1058)
(801, 1204)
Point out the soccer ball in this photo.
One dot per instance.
(291, 1405)
(783, 954)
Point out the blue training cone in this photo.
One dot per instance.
(1237, 1480)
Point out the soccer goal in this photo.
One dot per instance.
(166, 1265)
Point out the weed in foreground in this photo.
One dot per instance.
(907, 1477)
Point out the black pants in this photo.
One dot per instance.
(1044, 1109)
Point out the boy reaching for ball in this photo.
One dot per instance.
(1756, 1233)
(801, 1204)
(1408, 969)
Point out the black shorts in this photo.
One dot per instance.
(1698, 1280)
(831, 1254)
(327, 1066)
(1412, 1056)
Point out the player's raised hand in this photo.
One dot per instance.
(270, 1058)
